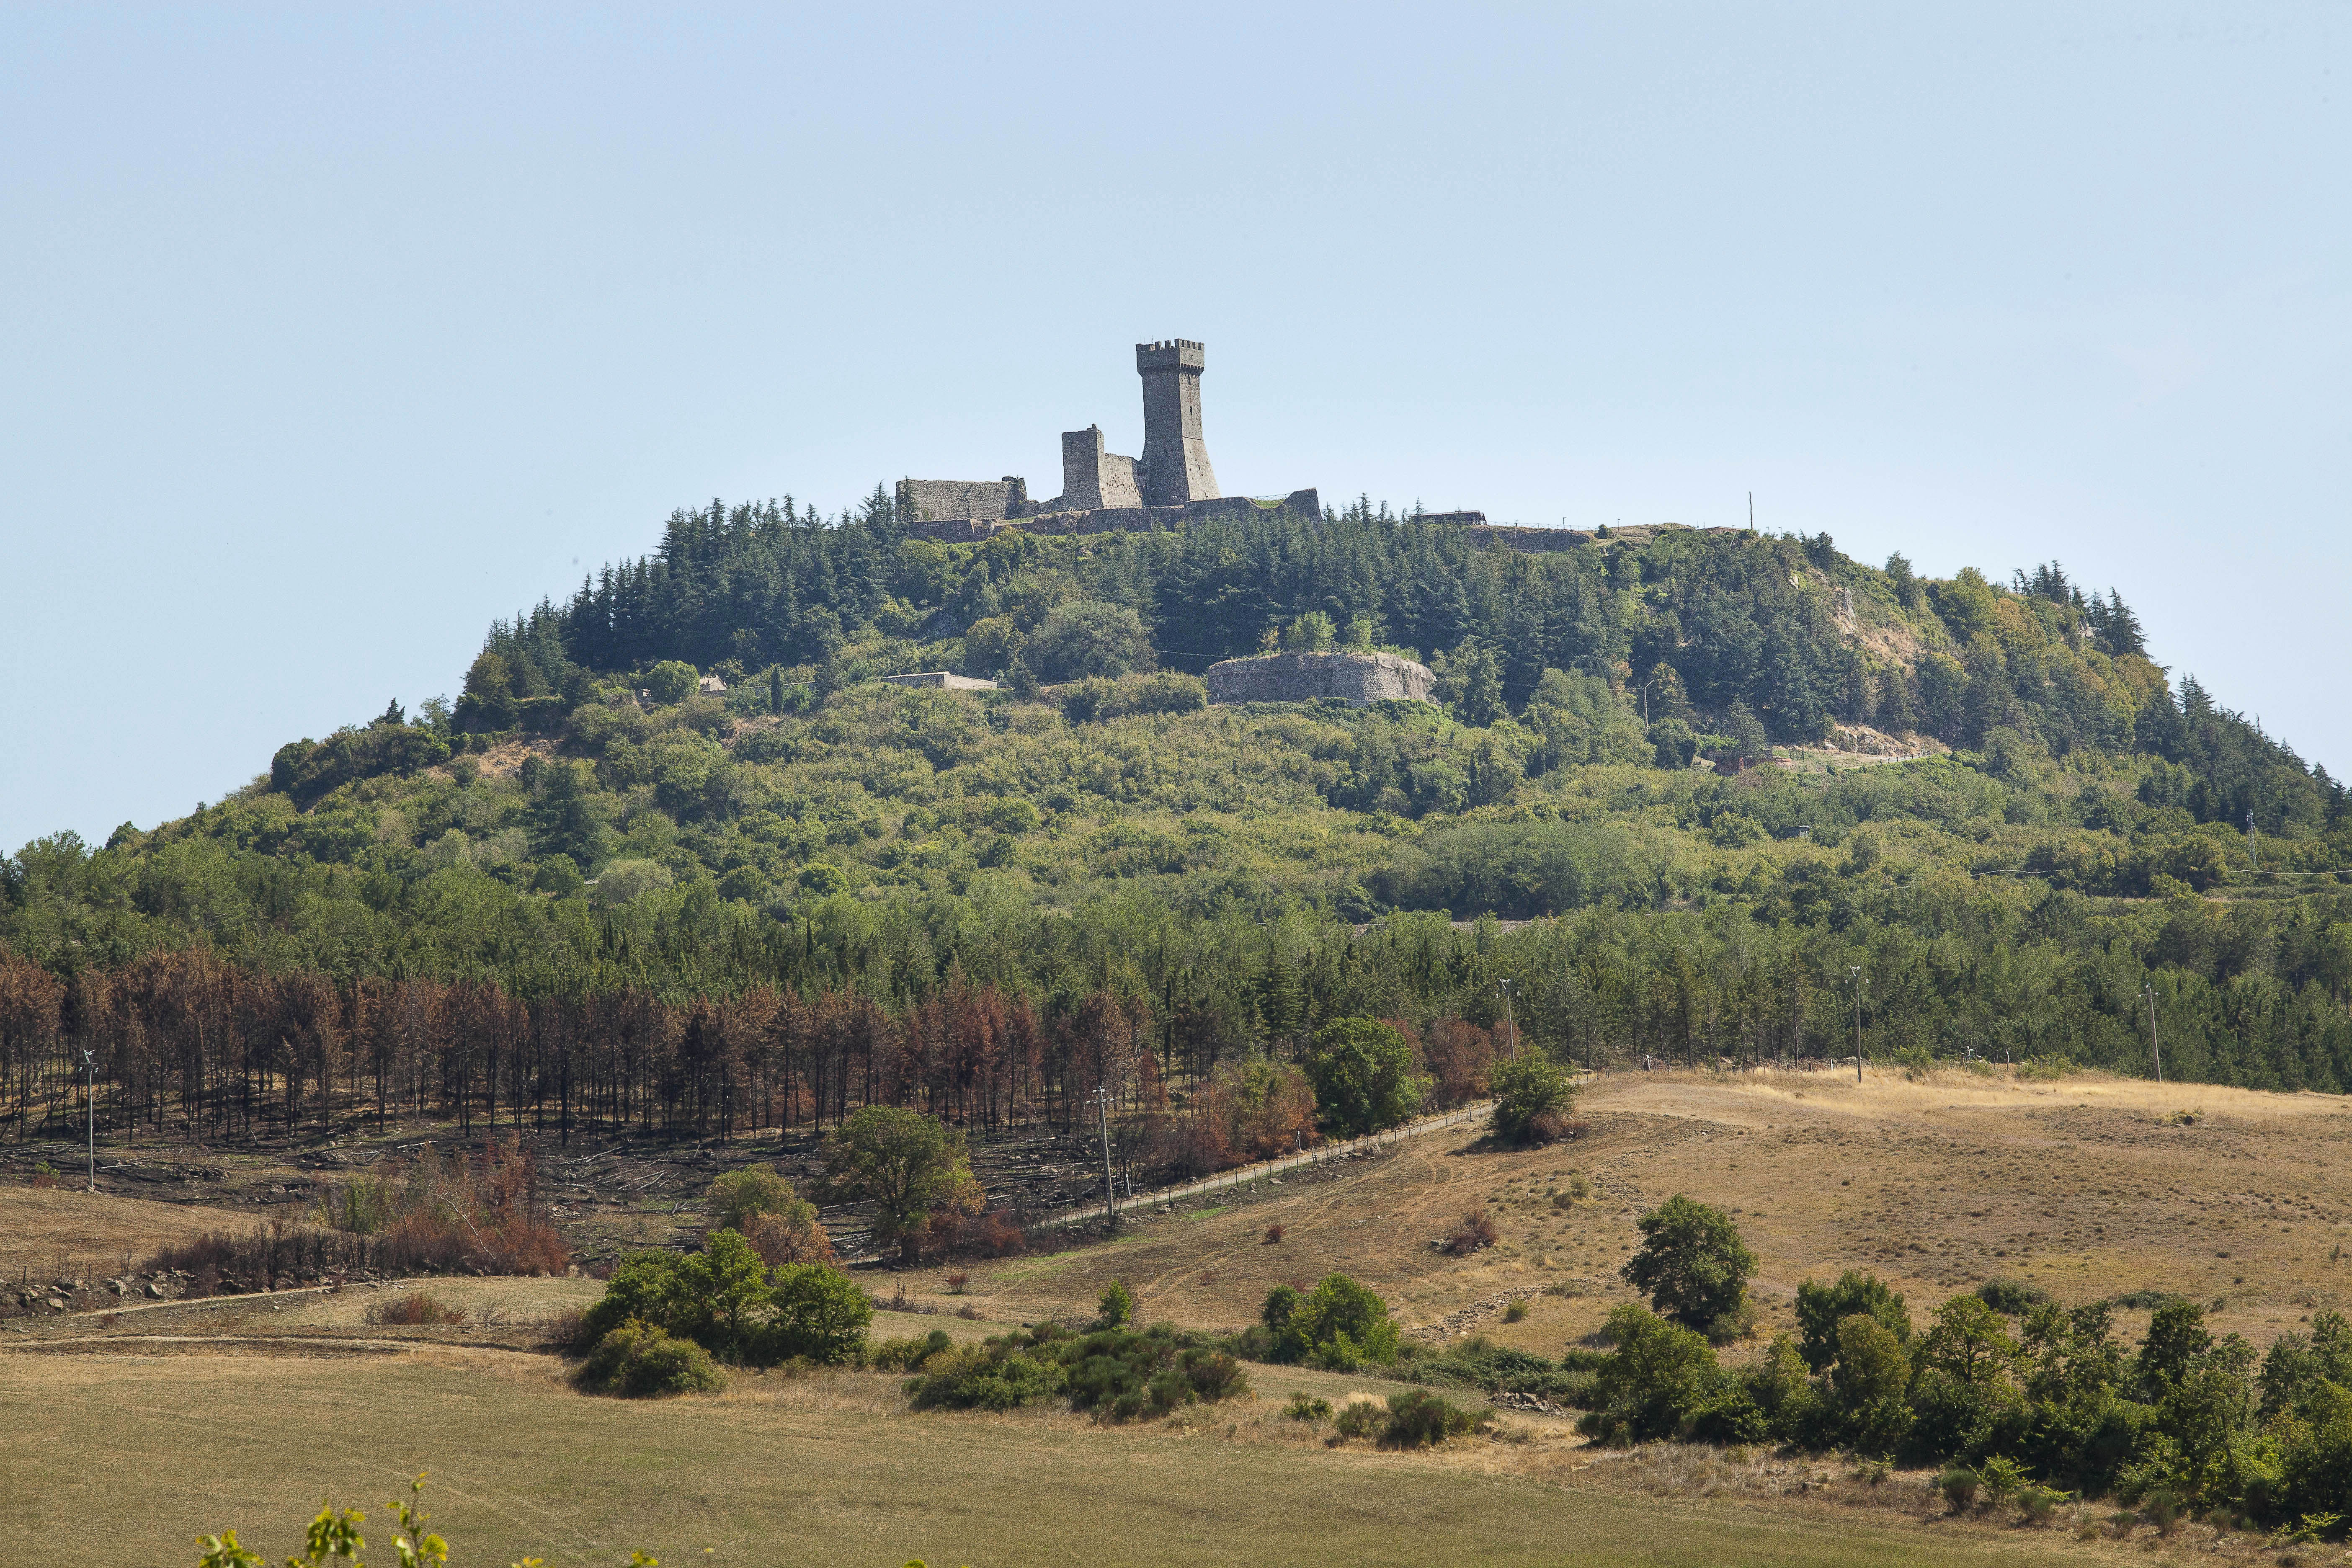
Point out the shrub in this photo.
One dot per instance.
(958, 1283)
(1477, 1230)
(1116, 1373)
(909, 1354)
(791, 1236)
(1118, 1306)
(637, 1361)
(724, 1299)
(1419, 1419)
(1532, 1095)
(1362, 1417)
(413, 1309)
(998, 1375)
(1693, 1264)
(1517, 1312)
(1958, 1485)
(1823, 1308)
(2040, 1504)
(672, 681)
(1655, 1384)
(2002, 1480)
(1273, 1233)
(1086, 637)
(738, 1196)
(1124, 1375)
(1339, 1324)
(2014, 1297)
(818, 1315)
(1306, 1407)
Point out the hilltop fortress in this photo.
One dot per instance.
(1172, 483)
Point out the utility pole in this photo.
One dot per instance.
(89, 1066)
(2147, 989)
(1110, 1196)
(1856, 970)
(1507, 985)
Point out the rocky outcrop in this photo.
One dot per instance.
(1356, 677)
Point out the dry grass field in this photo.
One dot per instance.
(124, 1459)
(68, 1233)
(125, 1434)
(2086, 1185)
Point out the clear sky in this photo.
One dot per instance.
(328, 334)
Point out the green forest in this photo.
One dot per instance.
(589, 887)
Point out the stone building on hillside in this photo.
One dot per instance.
(1360, 679)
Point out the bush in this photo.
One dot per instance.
(637, 1361)
(1656, 1382)
(1116, 1373)
(1306, 1407)
(738, 1196)
(1094, 699)
(818, 1315)
(1958, 1485)
(1339, 1324)
(672, 681)
(415, 1309)
(1532, 1095)
(1124, 1375)
(1420, 1419)
(1086, 637)
(1823, 1308)
(1362, 1417)
(1693, 1264)
(1118, 1306)
(724, 1299)
(792, 1236)
(1477, 1230)
(907, 1355)
(1273, 1234)
(998, 1375)
(2014, 1297)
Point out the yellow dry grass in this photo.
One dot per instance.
(2084, 1186)
(826, 1469)
(47, 1229)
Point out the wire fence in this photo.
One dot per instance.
(1243, 1175)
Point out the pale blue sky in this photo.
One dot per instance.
(328, 336)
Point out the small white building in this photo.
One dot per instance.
(711, 683)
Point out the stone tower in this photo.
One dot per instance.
(1175, 464)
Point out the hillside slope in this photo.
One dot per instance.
(589, 891)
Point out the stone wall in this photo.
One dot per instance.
(1356, 677)
(1093, 478)
(1306, 503)
(943, 499)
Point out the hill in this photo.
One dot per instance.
(589, 891)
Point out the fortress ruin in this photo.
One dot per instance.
(1172, 483)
